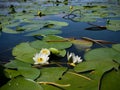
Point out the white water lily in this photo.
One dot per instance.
(72, 59)
(41, 59)
(45, 51)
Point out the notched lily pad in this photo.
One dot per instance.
(47, 74)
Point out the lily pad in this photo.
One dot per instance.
(48, 73)
(24, 52)
(23, 69)
(30, 73)
(82, 44)
(8, 30)
(44, 32)
(51, 41)
(57, 42)
(21, 83)
(102, 54)
(58, 23)
(16, 63)
(11, 73)
(98, 66)
(113, 25)
(114, 83)
(76, 82)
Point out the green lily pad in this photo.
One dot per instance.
(11, 73)
(30, 73)
(57, 42)
(38, 44)
(76, 82)
(44, 32)
(51, 41)
(98, 66)
(102, 54)
(116, 47)
(21, 83)
(24, 52)
(58, 23)
(82, 44)
(110, 83)
(23, 69)
(113, 25)
(16, 63)
(47, 74)
(8, 30)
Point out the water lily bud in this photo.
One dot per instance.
(71, 7)
(39, 13)
(54, 51)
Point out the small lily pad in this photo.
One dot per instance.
(82, 44)
(113, 25)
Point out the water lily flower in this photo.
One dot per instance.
(45, 51)
(41, 59)
(72, 59)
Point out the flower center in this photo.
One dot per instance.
(45, 51)
(39, 60)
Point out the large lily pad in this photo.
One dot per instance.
(47, 74)
(98, 66)
(57, 42)
(16, 63)
(30, 73)
(21, 83)
(102, 54)
(51, 41)
(75, 81)
(110, 83)
(22, 68)
(24, 52)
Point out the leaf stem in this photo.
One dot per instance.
(56, 84)
(80, 75)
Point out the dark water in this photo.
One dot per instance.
(75, 29)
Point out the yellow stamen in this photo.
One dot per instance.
(39, 60)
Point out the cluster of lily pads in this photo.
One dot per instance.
(36, 64)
